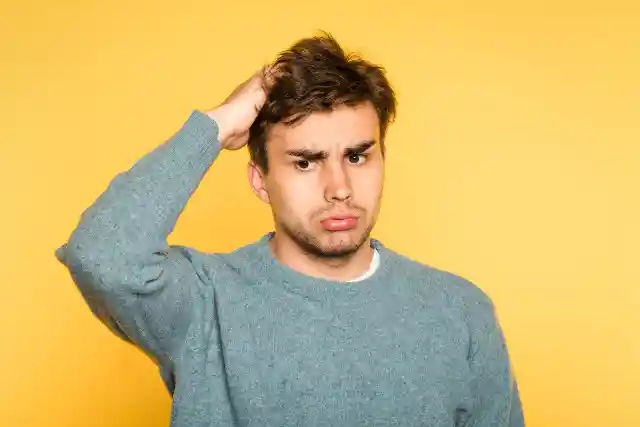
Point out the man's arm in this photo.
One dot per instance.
(118, 254)
(497, 398)
(144, 290)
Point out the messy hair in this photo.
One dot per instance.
(315, 75)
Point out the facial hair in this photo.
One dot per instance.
(314, 247)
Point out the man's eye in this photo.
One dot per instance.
(356, 158)
(303, 164)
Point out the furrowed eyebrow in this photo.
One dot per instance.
(314, 155)
(310, 155)
(360, 148)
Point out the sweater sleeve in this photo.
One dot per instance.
(494, 386)
(118, 256)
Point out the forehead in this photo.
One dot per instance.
(329, 131)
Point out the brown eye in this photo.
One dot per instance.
(303, 164)
(355, 158)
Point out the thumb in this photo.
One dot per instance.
(236, 142)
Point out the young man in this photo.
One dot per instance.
(316, 323)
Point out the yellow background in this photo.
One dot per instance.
(515, 162)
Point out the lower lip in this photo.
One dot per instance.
(340, 224)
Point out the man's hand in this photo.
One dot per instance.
(237, 113)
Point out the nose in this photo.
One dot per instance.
(337, 184)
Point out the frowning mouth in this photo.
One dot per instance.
(340, 222)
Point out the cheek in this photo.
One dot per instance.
(293, 194)
(367, 184)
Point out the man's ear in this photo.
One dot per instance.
(257, 181)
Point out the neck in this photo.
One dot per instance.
(342, 268)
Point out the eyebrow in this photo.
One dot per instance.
(313, 155)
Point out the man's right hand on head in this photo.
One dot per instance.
(237, 113)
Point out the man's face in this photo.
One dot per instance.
(325, 180)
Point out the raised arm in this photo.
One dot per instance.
(144, 290)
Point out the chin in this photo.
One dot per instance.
(323, 244)
(338, 245)
(333, 251)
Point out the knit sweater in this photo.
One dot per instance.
(241, 339)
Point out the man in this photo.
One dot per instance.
(316, 323)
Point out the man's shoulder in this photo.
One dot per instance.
(438, 280)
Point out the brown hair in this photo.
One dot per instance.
(316, 74)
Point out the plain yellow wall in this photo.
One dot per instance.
(515, 162)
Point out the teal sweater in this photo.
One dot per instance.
(242, 340)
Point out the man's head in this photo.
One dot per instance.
(317, 147)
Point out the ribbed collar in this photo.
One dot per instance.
(317, 288)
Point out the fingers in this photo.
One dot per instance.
(269, 74)
(268, 77)
(253, 83)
